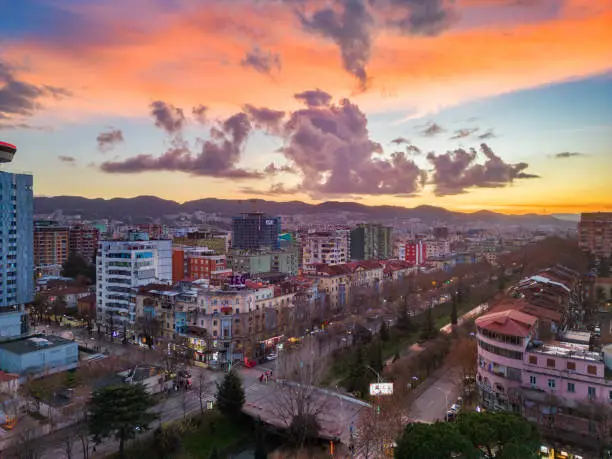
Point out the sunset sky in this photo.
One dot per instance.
(503, 105)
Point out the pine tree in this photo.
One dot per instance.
(119, 411)
(230, 396)
(404, 323)
(384, 332)
(376, 359)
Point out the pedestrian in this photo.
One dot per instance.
(261, 378)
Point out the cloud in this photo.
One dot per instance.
(332, 149)
(489, 134)
(261, 61)
(272, 169)
(462, 133)
(314, 98)
(274, 190)
(168, 117)
(400, 140)
(67, 159)
(199, 113)
(457, 171)
(350, 29)
(421, 17)
(107, 140)
(431, 129)
(413, 149)
(568, 154)
(265, 118)
(20, 98)
(7, 126)
(217, 157)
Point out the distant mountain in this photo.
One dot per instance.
(145, 208)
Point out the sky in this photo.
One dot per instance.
(502, 105)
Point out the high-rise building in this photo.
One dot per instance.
(16, 257)
(256, 231)
(125, 264)
(371, 241)
(595, 233)
(50, 247)
(414, 252)
(325, 247)
(83, 239)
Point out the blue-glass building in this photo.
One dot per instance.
(256, 231)
(16, 252)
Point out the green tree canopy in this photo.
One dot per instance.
(75, 266)
(119, 411)
(230, 396)
(434, 441)
(454, 318)
(501, 435)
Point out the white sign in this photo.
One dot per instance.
(269, 222)
(381, 389)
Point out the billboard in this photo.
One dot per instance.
(381, 389)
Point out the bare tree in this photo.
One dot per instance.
(298, 404)
(377, 428)
(149, 328)
(25, 445)
(203, 390)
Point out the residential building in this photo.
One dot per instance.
(16, 255)
(370, 241)
(83, 239)
(413, 252)
(256, 231)
(219, 242)
(441, 233)
(437, 248)
(396, 270)
(51, 242)
(122, 265)
(153, 230)
(253, 262)
(86, 306)
(192, 263)
(595, 234)
(70, 295)
(325, 247)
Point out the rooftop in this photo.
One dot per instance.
(33, 344)
(509, 322)
(567, 350)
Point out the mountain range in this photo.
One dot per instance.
(146, 208)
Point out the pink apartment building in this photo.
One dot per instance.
(561, 385)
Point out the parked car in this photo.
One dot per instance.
(271, 357)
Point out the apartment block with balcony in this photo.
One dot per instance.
(123, 265)
(193, 263)
(595, 234)
(325, 247)
(83, 239)
(371, 241)
(51, 247)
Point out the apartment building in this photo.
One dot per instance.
(51, 247)
(437, 248)
(256, 262)
(16, 253)
(413, 252)
(595, 234)
(325, 247)
(371, 241)
(83, 239)
(122, 265)
(193, 263)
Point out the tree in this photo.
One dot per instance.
(75, 266)
(230, 396)
(428, 328)
(384, 332)
(403, 323)
(120, 411)
(454, 318)
(501, 435)
(434, 441)
(38, 307)
(58, 306)
(376, 358)
(149, 328)
(214, 453)
(202, 389)
(260, 446)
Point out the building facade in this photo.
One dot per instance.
(371, 241)
(51, 247)
(256, 231)
(122, 265)
(595, 234)
(83, 239)
(16, 252)
(413, 252)
(325, 247)
(193, 263)
(253, 263)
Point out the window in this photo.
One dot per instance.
(591, 393)
(532, 380)
(571, 366)
(552, 383)
(571, 387)
(550, 363)
(533, 360)
(592, 369)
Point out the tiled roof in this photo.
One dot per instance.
(509, 322)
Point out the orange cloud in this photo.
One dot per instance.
(193, 56)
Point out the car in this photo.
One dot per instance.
(451, 416)
(271, 357)
(455, 408)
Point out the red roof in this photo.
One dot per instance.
(508, 322)
(526, 307)
(4, 377)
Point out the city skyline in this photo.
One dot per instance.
(487, 104)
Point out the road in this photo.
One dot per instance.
(437, 398)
